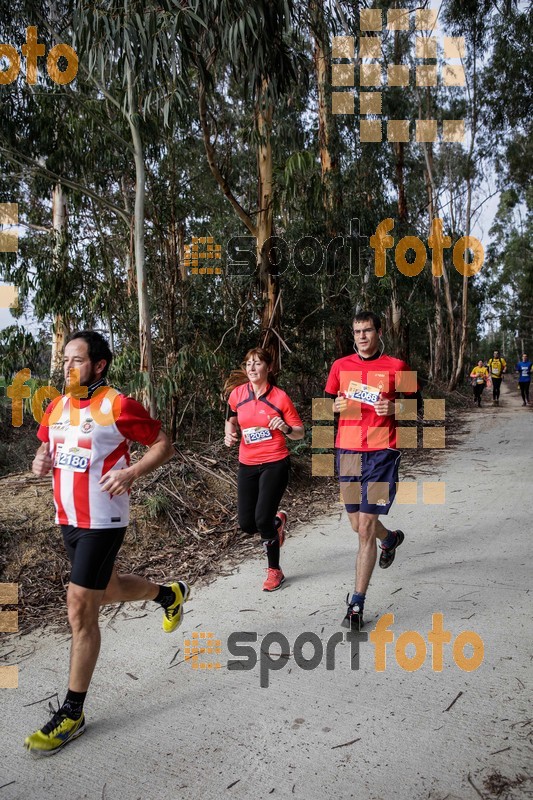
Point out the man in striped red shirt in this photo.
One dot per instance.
(85, 441)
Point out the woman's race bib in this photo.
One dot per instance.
(255, 435)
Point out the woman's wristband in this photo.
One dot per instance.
(289, 430)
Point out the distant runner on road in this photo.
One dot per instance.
(364, 387)
(524, 369)
(497, 366)
(86, 445)
(265, 416)
(480, 377)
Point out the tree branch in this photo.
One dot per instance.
(25, 161)
(211, 160)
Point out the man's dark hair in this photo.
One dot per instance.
(368, 316)
(97, 346)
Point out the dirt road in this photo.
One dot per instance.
(159, 729)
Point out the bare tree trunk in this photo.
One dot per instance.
(457, 375)
(130, 276)
(438, 350)
(60, 325)
(270, 315)
(145, 331)
(328, 161)
(431, 352)
(262, 229)
(399, 149)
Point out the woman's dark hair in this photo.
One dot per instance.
(239, 376)
(97, 346)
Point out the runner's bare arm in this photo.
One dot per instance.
(230, 432)
(277, 423)
(120, 481)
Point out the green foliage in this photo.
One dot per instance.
(156, 504)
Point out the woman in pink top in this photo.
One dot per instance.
(265, 416)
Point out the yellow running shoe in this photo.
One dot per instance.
(56, 734)
(173, 615)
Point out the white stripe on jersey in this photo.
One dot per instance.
(78, 497)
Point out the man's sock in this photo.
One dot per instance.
(358, 599)
(389, 540)
(165, 596)
(73, 704)
(272, 551)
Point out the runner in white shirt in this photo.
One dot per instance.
(86, 436)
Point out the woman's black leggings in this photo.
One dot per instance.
(524, 390)
(478, 392)
(260, 489)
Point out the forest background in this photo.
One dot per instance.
(213, 118)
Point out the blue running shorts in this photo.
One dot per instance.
(368, 479)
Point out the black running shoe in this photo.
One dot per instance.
(354, 616)
(387, 554)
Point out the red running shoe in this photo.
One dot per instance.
(274, 579)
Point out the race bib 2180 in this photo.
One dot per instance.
(73, 459)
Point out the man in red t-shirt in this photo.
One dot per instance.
(364, 387)
(86, 436)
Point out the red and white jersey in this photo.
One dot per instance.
(87, 439)
(362, 381)
(260, 445)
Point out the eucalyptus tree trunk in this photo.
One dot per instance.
(436, 367)
(145, 332)
(60, 325)
(328, 161)
(270, 314)
(457, 375)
